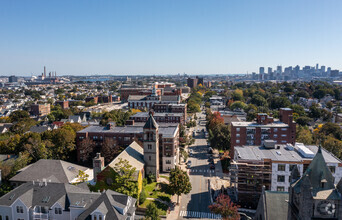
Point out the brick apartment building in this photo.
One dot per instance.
(94, 98)
(192, 82)
(159, 117)
(171, 108)
(168, 135)
(283, 131)
(40, 109)
(63, 104)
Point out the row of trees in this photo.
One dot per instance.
(219, 133)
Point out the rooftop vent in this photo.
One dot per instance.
(269, 144)
(289, 147)
(304, 151)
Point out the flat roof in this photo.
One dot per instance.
(166, 129)
(275, 124)
(156, 114)
(280, 153)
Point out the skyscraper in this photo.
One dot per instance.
(261, 70)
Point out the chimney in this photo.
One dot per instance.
(98, 165)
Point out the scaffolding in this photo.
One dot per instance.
(247, 179)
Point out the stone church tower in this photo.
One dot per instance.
(151, 147)
(314, 195)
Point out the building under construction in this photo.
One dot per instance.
(247, 179)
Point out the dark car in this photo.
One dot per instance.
(210, 150)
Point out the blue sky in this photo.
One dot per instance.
(167, 36)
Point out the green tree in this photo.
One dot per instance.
(82, 177)
(333, 145)
(279, 102)
(19, 115)
(219, 137)
(225, 207)
(303, 121)
(152, 212)
(179, 182)
(124, 181)
(238, 105)
(258, 100)
(304, 136)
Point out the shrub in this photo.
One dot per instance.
(142, 197)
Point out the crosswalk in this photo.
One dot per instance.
(192, 214)
(201, 171)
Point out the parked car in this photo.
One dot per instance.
(190, 152)
(188, 165)
(210, 150)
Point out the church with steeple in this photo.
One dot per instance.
(312, 196)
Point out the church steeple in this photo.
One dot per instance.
(151, 146)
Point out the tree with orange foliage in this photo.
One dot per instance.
(215, 120)
(225, 207)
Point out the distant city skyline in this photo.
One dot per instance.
(149, 37)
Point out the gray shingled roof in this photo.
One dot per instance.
(106, 203)
(54, 170)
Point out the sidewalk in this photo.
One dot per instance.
(175, 212)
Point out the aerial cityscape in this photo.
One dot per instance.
(170, 110)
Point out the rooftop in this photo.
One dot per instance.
(166, 129)
(281, 153)
(275, 124)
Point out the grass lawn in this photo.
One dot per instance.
(160, 192)
(162, 208)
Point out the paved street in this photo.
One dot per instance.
(195, 204)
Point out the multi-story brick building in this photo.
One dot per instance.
(94, 98)
(265, 128)
(171, 108)
(168, 135)
(63, 104)
(159, 117)
(147, 102)
(192, 82)
(40, 109)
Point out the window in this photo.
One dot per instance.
(284, 129)
(149, 158)
(283, 135)
(275, 129)
(149, 146)
(20, 209)
(237, 129)
(100, 217)
(281, 178)
(237, 141)
(280, 189)
(281, 167)
(95, 217)
(58, 211)
(237, 135)
(275, 135)
(283, 141)
(7, 218)
(332, 169)
(168, 162)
